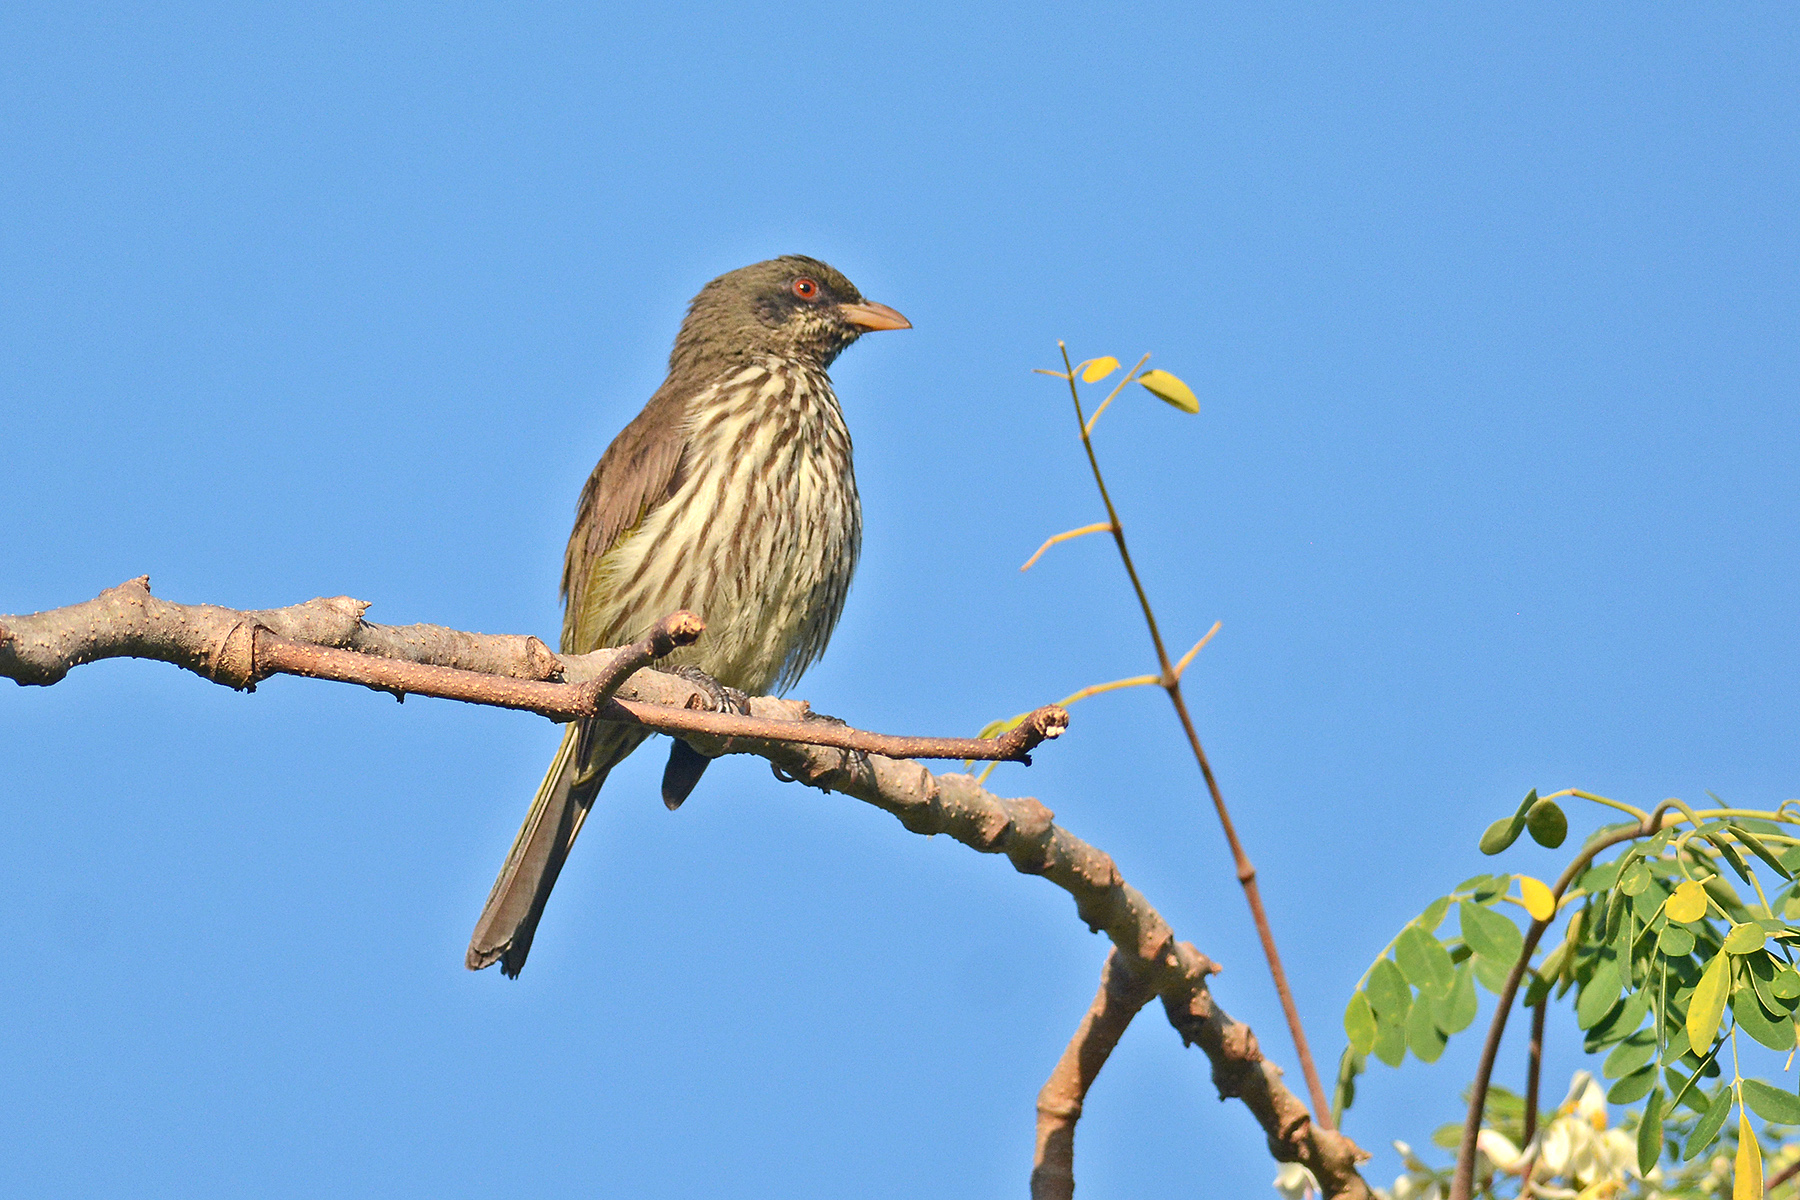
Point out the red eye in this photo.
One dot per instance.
(806, 289)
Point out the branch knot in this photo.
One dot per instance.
(233, 661)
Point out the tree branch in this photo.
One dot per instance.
(1120, 997)
(224, 645)
(327, 639)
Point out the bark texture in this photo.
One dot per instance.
(328, 638)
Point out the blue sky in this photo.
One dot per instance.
(1492, 314)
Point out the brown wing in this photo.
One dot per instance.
(639, 470)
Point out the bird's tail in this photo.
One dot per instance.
(588, 752)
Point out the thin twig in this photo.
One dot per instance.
(1182, 666)
(1171, 684)
(1097, 527)
(1122, 993)
(1534, 1066)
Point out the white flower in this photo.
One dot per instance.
(1498, 1148)
(1295, 1182)
(1577, 1145)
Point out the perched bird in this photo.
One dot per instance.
(732, 495)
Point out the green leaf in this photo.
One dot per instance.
(1685, 1091)
(1770, 1103)
(1622, 1023)
(1457, 1010)
(1490, 974)
(1424, 961)
(1350, 1065)
(1359, 1024)
(1677, 1046)
(1650, 1133)
(1755, 846)
(1433, 916)
(1723, 894)
(1647, 903)
(1489, 934)
(1787, 984)
(1709, 1125)
(1422, 1035)
(1501, 834)
(1775, 1034)
(1166, 387)
(1547, 824)
(1390, 1042)
(1762, 978)
(1537, 986)
(1729, 853)
(1635, 878)
(1790, 858)
(1630, 1055)
(1388, 992)
(1599, 879)
(1744, 939)
(1632, 1088)
(1676, 942)
(1598, 995)
(1707, 1007)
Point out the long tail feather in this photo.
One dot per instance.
(510, 919)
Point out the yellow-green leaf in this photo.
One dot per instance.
(1688, 903)
(1538, 900)
(1744, 939)
(1359, 1023)
(1707, 1008)
(1096, 369)
(996, 728)
(1166, 387)
(1748, 1181)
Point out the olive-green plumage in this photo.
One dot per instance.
(732, 495)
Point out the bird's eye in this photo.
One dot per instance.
(806, 289)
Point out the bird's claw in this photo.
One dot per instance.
(718, 697)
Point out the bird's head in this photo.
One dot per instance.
(791, 307)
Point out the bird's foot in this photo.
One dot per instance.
(719, 698)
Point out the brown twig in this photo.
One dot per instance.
(1782, 1176)
(1015, 745)
(1534, 1066)
(240, 648)
(1171, 684)
(1120, 997)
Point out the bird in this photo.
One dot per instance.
(731, 494)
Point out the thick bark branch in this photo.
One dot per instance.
(1120, 997)
(1024, 830)
(329, 639)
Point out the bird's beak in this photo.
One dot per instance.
(869, 315)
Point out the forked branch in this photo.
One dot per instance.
(328, 639)
(1120, 997)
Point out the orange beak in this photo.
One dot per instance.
(869, 315)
